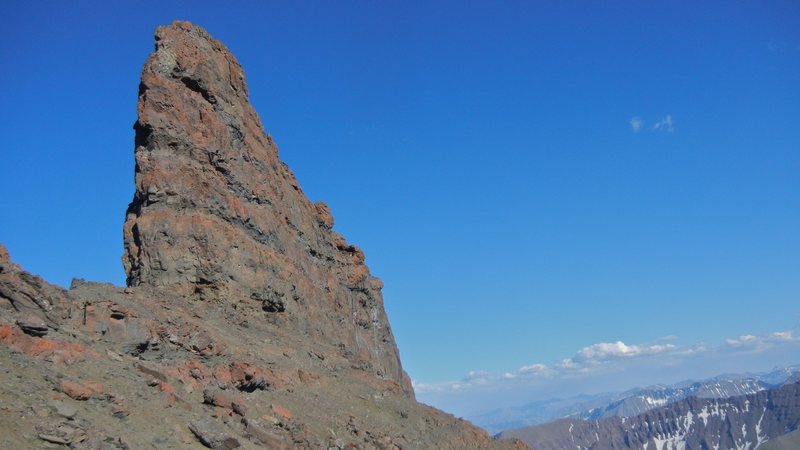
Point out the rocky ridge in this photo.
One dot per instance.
(735, 423)
(631, 402)
(248, 322)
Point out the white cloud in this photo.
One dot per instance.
(476, 377)
(568, 364)
(751, 343)
(610, 357)
(783, 336)
(530, 371)
(533, 369)
(612, 350)
(742, 340)
(665, 124)
(636, 124)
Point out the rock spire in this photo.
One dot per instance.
(217, 217)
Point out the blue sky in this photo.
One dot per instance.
(530, 180)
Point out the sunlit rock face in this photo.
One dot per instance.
(217, 216)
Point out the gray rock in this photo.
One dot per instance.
(65, 410)
(32, 325)
(212, 436)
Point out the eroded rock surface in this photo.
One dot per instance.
(216, 215)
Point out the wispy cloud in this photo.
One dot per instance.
(751, 343)
(636, 124)
(665, 123)
(609, 357)
(533, 370)
(777, 45)
(613, 350)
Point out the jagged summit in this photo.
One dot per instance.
(218, 216)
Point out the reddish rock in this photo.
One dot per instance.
(307, 377)
(97, 388)
(56, 351)
(218, 397)
(222, 375)
(217, 216)
(169, 393)
(248, 377)
(76, 390)
(282, 411)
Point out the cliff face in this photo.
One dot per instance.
(217, 216)
(248, 322)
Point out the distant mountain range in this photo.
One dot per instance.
(744, 422)
(632, 402)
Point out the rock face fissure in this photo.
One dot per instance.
(217, 216)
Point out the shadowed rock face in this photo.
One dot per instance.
(218, 217)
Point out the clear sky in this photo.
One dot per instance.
(550, 190)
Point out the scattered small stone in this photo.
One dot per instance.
(119, 409)
(151, 371)
(65, 410)
(54, 439)
(217, 397)
(266, 438)
(201, 342)
(240, 408)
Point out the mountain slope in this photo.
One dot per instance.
(641, 400)
(743, 422)
(631, 402)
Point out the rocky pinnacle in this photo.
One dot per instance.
(217, 217)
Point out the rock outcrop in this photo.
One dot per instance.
(218, 216)
(247, 321)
